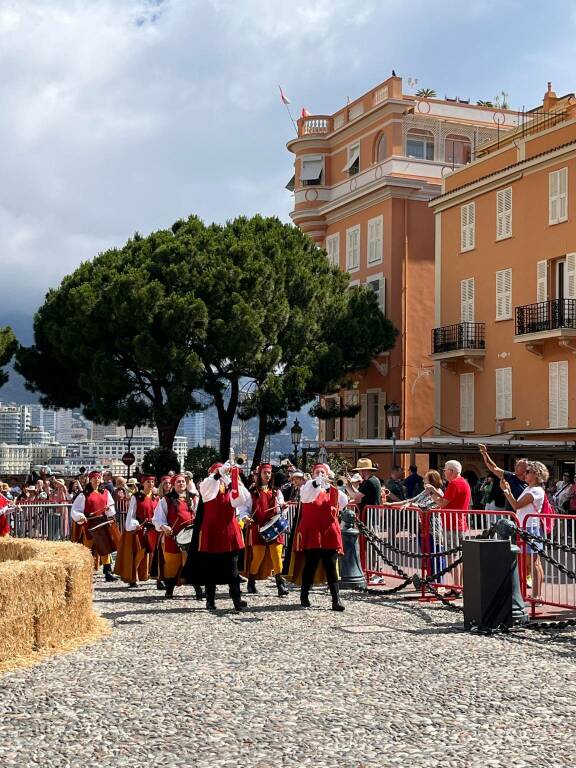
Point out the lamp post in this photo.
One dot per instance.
(128, 458)
(393, 418)
(296, 435)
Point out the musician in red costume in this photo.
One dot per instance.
(138, 540)
(220, 539)
(264, 558)
(4, 522)
(318, 537)
(93, 501)
(175, 511)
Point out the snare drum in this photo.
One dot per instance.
(273, 528)
(184, 537)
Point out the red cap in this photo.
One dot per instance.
(265, 466)
(165, 477)
(151, 478)
(175, 477)
(94, 473)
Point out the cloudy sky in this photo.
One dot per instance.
(119, 116)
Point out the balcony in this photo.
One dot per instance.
(462, 341)
(546, 321)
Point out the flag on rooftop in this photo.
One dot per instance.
(305, 112)
(285, 99)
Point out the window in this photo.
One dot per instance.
(504, 294)
(467, 300)
(542, 281)
(311, 173)
(378, 285)
(558, 394)
(558, 196)
(353, 248)
(375, 240)
(457, 149)
(503, 393)
(372, 414)
(466, 402)
(420, 144)
(381, 149)
(467, 227)
(351, 422)
(333, 249)
(504, 213)
(352, 166)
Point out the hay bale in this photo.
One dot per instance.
(16, 637)
(55, 627)
(18, 549)
(32, 587)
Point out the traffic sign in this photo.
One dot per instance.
(128, 459)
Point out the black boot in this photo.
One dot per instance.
(335, 592)
(199, 592)
(239, 604)
(211, 597)
(251, 588)
(281, 584)
(160, 584)
(304, 592)
(170, 584)
(108, 575)
(132, 584)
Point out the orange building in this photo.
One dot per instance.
(363, 179)
(504, 341)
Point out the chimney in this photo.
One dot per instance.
(550, 99)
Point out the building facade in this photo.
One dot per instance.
(504, 338)
(363, 179)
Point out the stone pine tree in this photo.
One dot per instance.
(8, 346)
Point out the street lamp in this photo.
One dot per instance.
(296, 435)
(393, 418)
(128, 459)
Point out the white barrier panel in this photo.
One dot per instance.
(399, 528)
(40, 521)
(555, 588)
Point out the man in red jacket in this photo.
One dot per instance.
(318, 535)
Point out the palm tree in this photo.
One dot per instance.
(426, 93)
(484, 103)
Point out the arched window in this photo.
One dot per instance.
(381, 149)
(457, 149)
(420, 144)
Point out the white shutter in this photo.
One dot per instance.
(467, 219)
(466, 402)
(382, 296)
(363, 416)
(571, 276)
(382, 417)
(553, 395)
(558, 394)
(371, 241)
(563, 393)
(504, 213)
(503, 294)
(503, 393)
(563, 194)
(352, 247)
(467, 300)
(350, 422)
(553, 197)
(542, 281)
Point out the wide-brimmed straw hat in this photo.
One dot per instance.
(366, 464)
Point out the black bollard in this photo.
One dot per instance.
(351, 574)
(487, 566)
(505, 530)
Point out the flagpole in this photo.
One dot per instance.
(286, 103)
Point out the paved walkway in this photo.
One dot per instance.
(387, 683)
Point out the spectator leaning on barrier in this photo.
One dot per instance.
(530, 502)
(395, 484)
(516, 480)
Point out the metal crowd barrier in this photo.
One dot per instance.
(43, 520)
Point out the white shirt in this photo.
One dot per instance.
(210, 487)
(160, 516)
(77, 511)
(535, 507)
(309, 493)
(132, 523)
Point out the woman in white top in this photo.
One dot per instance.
(528, 503)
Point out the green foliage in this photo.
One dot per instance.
(482, 103)
(8, 346)
(200, 459)
(160, 461)
(426, 93)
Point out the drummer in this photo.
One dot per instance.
(92, 502)
(139, 537)
(264, 557)
(175, 511)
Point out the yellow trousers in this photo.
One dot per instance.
(173, 564)
(259, 552)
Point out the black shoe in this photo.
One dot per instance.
(160, 584)
(335, 592)
(281, 585)
(210, 606)
(304, 601)
(239, 605)
(170, 584)
(200, 595)
(108, 575)
(251, 588)
(132, 584)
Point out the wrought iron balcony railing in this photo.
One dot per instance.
(450, 338)
(546, 316)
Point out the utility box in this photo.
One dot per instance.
(487, 565)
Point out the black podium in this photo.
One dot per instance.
(487, 565)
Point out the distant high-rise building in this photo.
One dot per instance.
(193, 427)
(63, 426)
(14, 421)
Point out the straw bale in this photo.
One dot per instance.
(18, 549)
(54, 627)
(31, 587)
(16, 637)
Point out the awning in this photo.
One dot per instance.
(291, 183)
(311, 170)
(352, 159)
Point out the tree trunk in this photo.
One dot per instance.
(226, 415)
(167, 432)
(262, 434)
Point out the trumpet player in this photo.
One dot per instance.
(263, 558)
(318, 540)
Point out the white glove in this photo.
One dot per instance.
(81, 518)
(110, 512)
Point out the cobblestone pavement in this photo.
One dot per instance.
(390, 682)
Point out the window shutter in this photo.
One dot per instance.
(563, 194)
(337, 420)
(382, 296)
(542, 281)
(371, 243)
(466, 402)
(508, 212)
(350, 422)
(553, 395)
(508, 293)
(382, 417)
(471, 225)
(504, 213)
(499, 214)
(503, 294)
(363, 416)
(571, 275)
(563, 393)
(553, 198)
(467, 300)
(467, 219)
(503, 393)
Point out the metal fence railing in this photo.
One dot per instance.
(545, 316)
(449, 338)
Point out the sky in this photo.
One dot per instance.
(119, 116)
